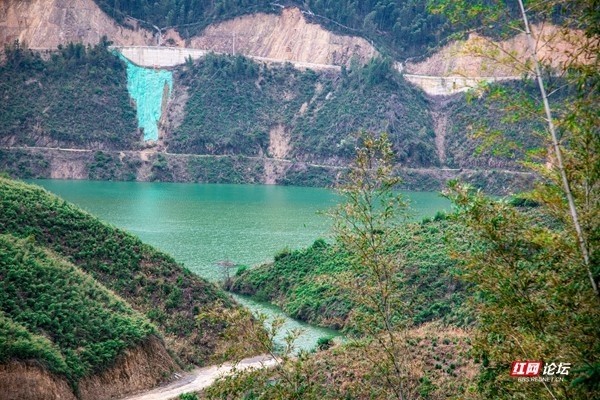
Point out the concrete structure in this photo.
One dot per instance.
(159, 57)
(167, 57)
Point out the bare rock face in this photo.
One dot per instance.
(48, 23)
(284, 37)
(44, 24)
(30, 381)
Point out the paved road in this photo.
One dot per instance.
(201, 378)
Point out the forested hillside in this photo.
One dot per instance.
(150, 281)
(236, 106)
(402, 27)
(273, 124)
(54, 313)
(304, 283)
(76, 98)
(233, 120)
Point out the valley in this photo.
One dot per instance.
(394, 199)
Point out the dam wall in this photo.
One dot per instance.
(159, 57)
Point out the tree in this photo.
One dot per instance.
(499, 16)
(366, 227)
(535, 272)
(529, 294)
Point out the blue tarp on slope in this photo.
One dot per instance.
(147, 87)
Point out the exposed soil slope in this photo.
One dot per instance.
(28, 380)
(285, 37)
(479, 56)
(48, 23)
(137, 369)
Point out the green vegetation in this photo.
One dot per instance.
(190, 17)
(188, 396)
(235, 104)
(527, 285)
(151, 282)
(238, 110)
(369, 274)
(78, 98)
(401, 27)
(305, 283)
(531, 281)
(483, 135)
(25, 165)
(108, 167)
(227, 169)
(439, 368)
(54, 313)
(19, 343)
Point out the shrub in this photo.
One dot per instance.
(324, 342)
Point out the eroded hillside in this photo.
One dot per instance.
(481, 56)
(49, 23)
(284, 37)
(285, 34)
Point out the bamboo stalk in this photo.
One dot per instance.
(558, 153)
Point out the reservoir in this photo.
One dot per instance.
(201, 225)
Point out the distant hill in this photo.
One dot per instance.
(232, 120)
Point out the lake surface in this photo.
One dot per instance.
(203, 224)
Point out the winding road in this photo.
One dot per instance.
(201, 378)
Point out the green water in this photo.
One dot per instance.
(146, 87)
(202, 224)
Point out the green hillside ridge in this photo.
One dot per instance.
(169, 295)
(234, 103)
(77, 98)
(304, 284)
(54, 313)
(248, 112)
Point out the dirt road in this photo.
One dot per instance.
(201, 378)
